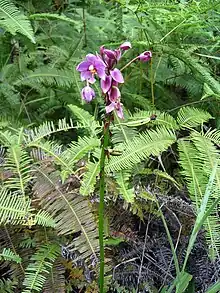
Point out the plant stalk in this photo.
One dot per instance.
(105, 143)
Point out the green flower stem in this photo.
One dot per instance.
(105, 143)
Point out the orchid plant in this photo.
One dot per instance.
(103, 66)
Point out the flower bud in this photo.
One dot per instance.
(145, 56)
(125, 46)
(88, 94)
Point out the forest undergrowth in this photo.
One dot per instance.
(109, 146)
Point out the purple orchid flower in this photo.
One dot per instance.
(117, 75)
(115, 106)
(91, 66)
(106, 84)
(114, 94)
(145, 56)
(88, 94)
(125, 46)
(103, 66)
(111, 54)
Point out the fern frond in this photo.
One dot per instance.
(85, 119)
(89, 178)
(7, 286)
(52, 16)
(56, 280)
(77, 150)
(17, 161)
(121, 132)
(12, 208)
(46, 129)
(214, 136)
(122, 179)
(198, 158)
(37, 271)
(48, 150)
(207, 152)
(14, 21)
(141, 147)
(7, 254)
(70, 156)
(189, 117)
(44, 219)
(48, 76)
(19, 164)
(14, 211)
(201, 72)
(144, 117)
(71, 212)
(10, 95)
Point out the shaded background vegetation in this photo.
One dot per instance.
(50, 150)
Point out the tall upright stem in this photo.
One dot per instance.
(105, 143)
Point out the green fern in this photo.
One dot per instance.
(89, 178)
(7, 285)
(71, 212)
(44, 219)
(85, 119)
(213, 135)
(37, 271)
(47, 129)
(12, 207)
(56, 282)
(46, 16)
(14, 21)
(18, 163)
(203, 74)
(122, 179)
(7, 254)
(189, 117)
(197, 158)
(144, 117)
(141, 147)
(77, 150)
(48, 76)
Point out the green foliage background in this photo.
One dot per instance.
(50, 139)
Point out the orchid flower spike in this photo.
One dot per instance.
(103, 66)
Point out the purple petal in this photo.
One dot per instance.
(110, 62)
(83, 66)
(118, 54)
(110, 107)
(86, 75)
(119, 111)
(87, 94)
(145, 56)
(110, 53)
(116, 75)
(101, 49)
(101, 72)
(91, 58)
(125, 46)
(106, 84)
(114, 94)
(99, 62)
(91, 79)
(114, 83)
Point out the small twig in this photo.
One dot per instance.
(122, 263)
